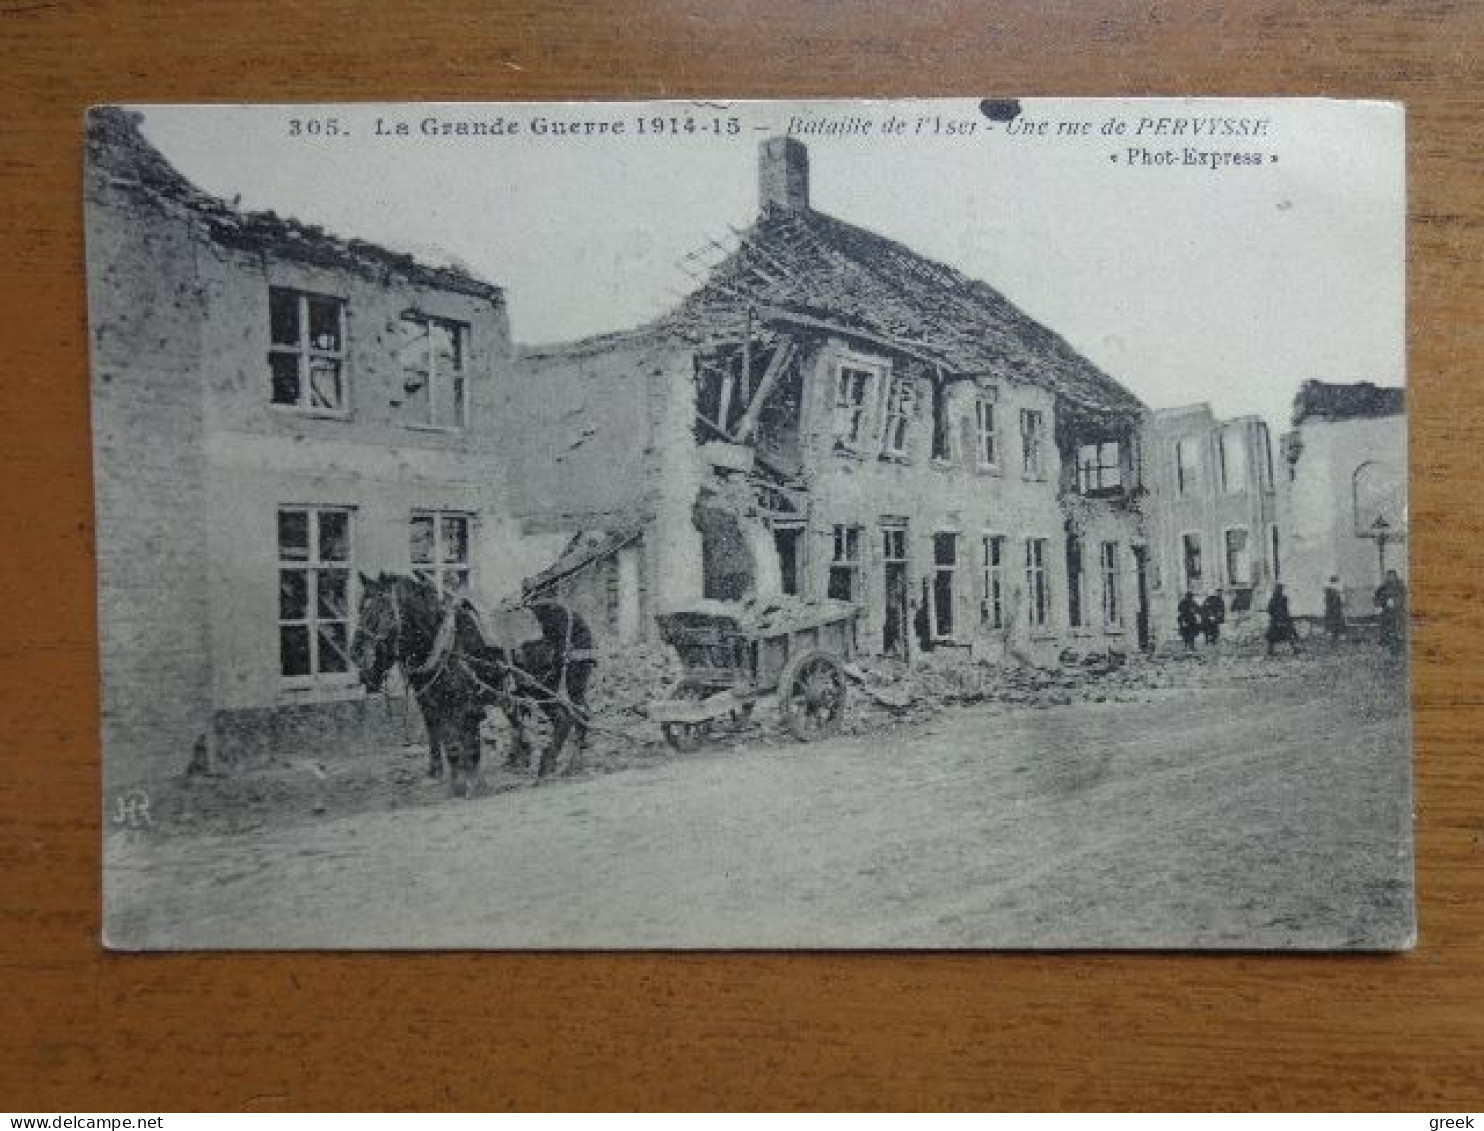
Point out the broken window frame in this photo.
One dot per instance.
(992, 608)
(846, 562)
(945, 568)
(942, 439)
(316, 567)
(1038, 609)
(307, 355)
(1099, 470)
(1032, 444)
(853, 399)
(901, 407)
(458, 376)
(986, 434)
(1112, 585)
(436, 569)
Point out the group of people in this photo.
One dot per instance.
(1200, 618)
(1195, 618)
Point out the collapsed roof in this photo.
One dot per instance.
(1318, 400)
(118, 151)
(811, 266)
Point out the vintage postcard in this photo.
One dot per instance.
(922, 524)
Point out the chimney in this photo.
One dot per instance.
(783, 175)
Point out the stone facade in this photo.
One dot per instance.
(267, 427)
(149, 464)
(789, 447)
(1343, 470)
(1213, 512)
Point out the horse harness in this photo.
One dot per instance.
(441, 655)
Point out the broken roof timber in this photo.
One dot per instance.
(852, 281)
(813, 322)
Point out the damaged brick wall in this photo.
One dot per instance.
(952, 493)
(150, 495)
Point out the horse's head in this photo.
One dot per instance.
(376, 646)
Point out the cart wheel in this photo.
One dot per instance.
(811, 696)
(687, 737)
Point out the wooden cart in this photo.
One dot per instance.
(731, 661)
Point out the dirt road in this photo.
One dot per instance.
(1248, 815)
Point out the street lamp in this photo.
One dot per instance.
(1380, 529)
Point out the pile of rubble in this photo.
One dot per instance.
(898, 690)
(625, 680)
(887, 692)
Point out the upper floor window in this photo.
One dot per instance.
(1266, 466)
(1098, 468)
(1187, 466)
(439, 544)
(853, 391)
(306, 353)
(986, 438)
(900, 406)
(435, 387)
(1233, 460)
(1032, 443)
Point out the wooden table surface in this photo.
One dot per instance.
(83, 1030)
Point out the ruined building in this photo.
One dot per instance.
(1214, 512)
(1344, 493)
(275, 410)
(832, 415)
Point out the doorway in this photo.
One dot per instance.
(788, 537)
(1141, 573)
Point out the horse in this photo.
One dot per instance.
(455, 673)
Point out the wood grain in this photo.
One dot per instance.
(83, 1030)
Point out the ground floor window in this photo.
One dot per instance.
(845, 564)
(1075, 583)
(1190, 550)
(1112, 597)
(1238, 557)
(896, 618)
(314, 572)
(945, 582)
(440, 549)
(1037, 586)
(992, 612)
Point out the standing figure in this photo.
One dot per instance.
(1391, 602)
(1188, 619)
(1213, 616)
(1280, 622)
(1334, 610)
